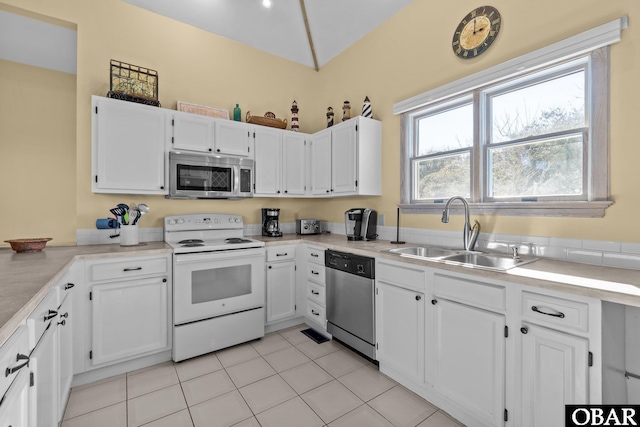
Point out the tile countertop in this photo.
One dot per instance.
(612, 284)
(26, 278)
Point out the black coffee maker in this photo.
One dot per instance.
(360, 224)
(271, 222)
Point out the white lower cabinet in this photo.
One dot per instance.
(44, 368)
(129, 319)
(66, 319)
(467, 358)
(400, 330)
(129, 309)
(14, 408)
(281, 284)
(554, 371)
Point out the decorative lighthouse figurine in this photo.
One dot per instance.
(294, 116)
(367, 111)
(346, 111)
(329, 117)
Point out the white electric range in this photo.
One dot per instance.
(218, 283)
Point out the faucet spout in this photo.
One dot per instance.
(469, 235)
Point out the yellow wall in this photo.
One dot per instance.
(407, 55)
(37, 153)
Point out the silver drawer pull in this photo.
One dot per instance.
(558, 314)
(314, 272)
(314, 255)
(132, 269)
(315, 313)
(284, 254)
(315, 292)
(19, 357)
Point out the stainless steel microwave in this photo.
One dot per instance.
(202, 176)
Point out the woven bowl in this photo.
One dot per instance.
(28, 245)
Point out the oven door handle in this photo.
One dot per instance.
(218, 255)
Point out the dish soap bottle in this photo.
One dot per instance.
(236, 114)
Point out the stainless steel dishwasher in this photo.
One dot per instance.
(351, 300)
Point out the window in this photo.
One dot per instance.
(524, 144)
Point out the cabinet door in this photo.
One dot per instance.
(466, 362)
(14, 407)
(400, 330)
(128, 148)
(268, 165)
(343, 159)
(232, 138)
(44, 367)
(321, 163)
(554, 374)
(129, 319)
(65, 319)
(192, 132)
(281, 291)
(293, 164)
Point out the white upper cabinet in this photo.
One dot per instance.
(233, 138)
(320, 163)
(192, 132)
(280, 162)
(268, 166)
(209, 135)
(128, 145)
(294, 168)
(346, 159)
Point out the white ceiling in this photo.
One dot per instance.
(334, 24)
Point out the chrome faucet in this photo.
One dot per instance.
(469, 234)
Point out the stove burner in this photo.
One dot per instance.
(191, 241)
(236, 240)
(192, 245)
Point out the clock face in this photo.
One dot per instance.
(476, 32)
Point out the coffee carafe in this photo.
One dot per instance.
(271, 222)
(360, 224)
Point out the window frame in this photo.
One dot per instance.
(596, 161)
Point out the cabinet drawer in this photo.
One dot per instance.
(316, 293)
(401, 274)
(284, 253)
(128, 268)
(470, 292)
(316, 273)
(316, 313)
(17, 344)
(315, 255)
(45, 313)
(555, 312)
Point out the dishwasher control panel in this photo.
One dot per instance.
(350, 263)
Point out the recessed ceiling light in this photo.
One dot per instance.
(266, 3)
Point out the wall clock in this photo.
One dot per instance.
(476, 32)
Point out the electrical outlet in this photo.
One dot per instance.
(380, 219)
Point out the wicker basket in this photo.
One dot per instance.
(266, 121)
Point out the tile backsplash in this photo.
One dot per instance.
(613, 254)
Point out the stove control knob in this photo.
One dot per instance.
(230, 219)
(181, 221)
(172, 222)
(238, 220)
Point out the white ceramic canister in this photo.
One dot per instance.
(129, 235)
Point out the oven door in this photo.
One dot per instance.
(211, 284)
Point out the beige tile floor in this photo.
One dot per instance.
(281, 380)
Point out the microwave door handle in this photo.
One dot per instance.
(235, 172)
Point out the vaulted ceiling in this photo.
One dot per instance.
(309, 32)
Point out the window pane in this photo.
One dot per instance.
(551, 167)
(443, 177)
(546, 107)
(446, 131)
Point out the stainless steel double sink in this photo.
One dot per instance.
(496, 262)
